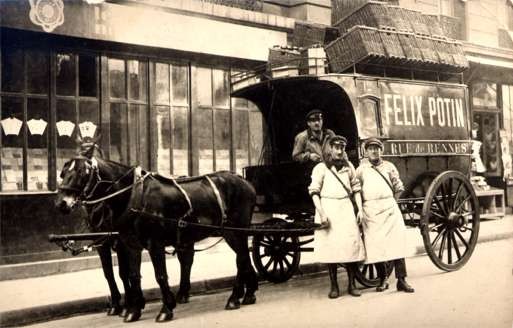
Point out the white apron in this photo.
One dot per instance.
(342, 242)
(383, 226)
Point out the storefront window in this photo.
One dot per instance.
(205, 138)
(222, 138)
(172, 118)
(117, 78)
(24, 120)
(77, 104)
(484, 94)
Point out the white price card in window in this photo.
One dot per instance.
(37, 127)
(87, 129)
(11, 126)
(65, 128)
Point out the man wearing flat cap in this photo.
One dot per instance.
(334, 185)
(383, 226)
(311, 145)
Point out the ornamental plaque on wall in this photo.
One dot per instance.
(48, 14)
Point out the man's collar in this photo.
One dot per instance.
(312, 136)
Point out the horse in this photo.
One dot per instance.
(150, 211)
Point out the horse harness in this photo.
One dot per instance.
(136, 203)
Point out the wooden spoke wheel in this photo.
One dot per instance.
(367, 274)
(276, 256)
(450, 220)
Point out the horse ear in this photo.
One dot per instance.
(78, 139)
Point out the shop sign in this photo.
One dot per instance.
(48, 14)
(427, 148)
(11, 126)
(37, 127)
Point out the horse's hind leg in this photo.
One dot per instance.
(115, 297)
(186, 258)
(158, 258)
(245, 272)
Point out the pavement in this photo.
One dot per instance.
(37, 299)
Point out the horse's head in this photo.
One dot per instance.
(78, 175)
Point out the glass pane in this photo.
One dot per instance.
(37, 152)
(137, 75)
(37, 72)
(163, 139)
(181, 141)
(239, 102)
(12, 143)
(240, 138)
(222, 138)
(88, 118)
(87, 75)
(118, 133)
(369, 125)
(221, 88)
(491, 145)
(180, 84)
(66, 133)
(12, 70)
(206, 154)
(162, 83)
(117, 78)
(256, 140)
(204, 86)
(484, 94)
(137, 137)
(65, 79)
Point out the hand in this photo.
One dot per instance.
(360, 217)
(314, 157)
(325, 224)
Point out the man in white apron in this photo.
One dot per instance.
(383, 226)
(333, 183)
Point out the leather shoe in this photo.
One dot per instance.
(334, 293)
(382, 287)
(354, 292)
(403, 286)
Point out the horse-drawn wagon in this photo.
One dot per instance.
(425, 128)
(426, 133)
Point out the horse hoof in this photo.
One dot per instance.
(182, 299)
(114, 310)
(123, 312)
(132, 316)
(249, 299)
(164, 316)
(232, 305)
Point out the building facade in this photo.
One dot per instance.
(153, 77)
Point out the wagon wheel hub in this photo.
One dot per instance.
(457, 220)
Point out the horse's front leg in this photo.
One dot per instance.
(158, 258)
(186, 258)
(124, 274)
(115, 297)
(135, 300)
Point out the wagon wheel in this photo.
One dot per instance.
(367, 274)
(276, 256)
(450, 220)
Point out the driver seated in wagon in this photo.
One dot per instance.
(312, 144)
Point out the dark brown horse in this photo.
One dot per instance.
(146, 210)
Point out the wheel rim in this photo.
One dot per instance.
(276, 257)
(450, 220)
(367, 274)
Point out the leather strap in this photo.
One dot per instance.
(384, 178)
(218, 197)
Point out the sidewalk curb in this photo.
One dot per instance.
(96, 304)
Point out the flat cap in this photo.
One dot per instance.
(314, 112)
(338, 140)
(373, 141)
